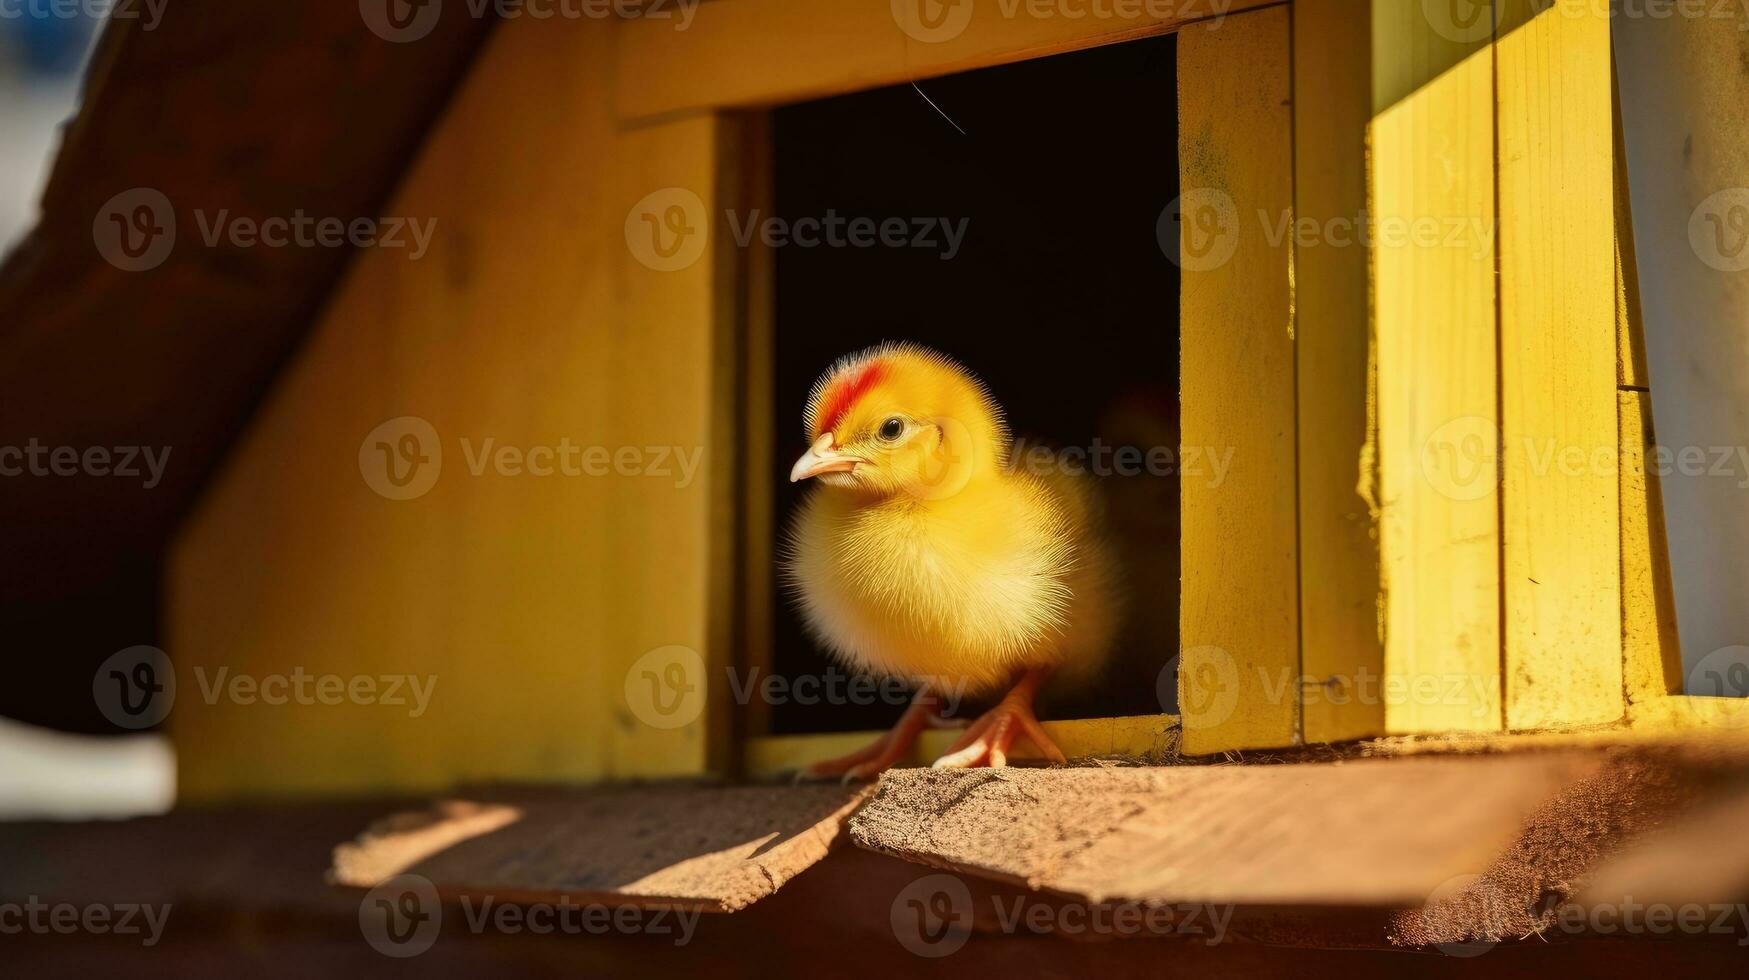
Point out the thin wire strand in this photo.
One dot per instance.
(937, 108)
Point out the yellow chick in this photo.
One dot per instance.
(923, 555)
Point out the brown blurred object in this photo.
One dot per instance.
(259, 109)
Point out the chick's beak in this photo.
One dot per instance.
(821, 458)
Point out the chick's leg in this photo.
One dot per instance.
(987, 741)
(884, 752)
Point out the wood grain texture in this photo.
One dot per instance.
(1239, 632)
(528, 599)
(716, 849)
(1339, 549)
(1432, 169)
(1218, 833)
(765, 52)
(1560, 540)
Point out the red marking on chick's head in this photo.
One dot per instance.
(842, 393)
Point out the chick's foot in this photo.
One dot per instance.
(887, 751)
(987, 741)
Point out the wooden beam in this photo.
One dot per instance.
(1561, 528)
(764, 52)
(1338, 513)
(1432, 194)
(1240, 669)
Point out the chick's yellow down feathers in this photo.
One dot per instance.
(922, 554)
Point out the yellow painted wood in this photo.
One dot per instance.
(1239, 675)
(528, 599)
(1561, 561)
(1652, 657)
(1431, 171)
(1339, 557)
(763, 52)
(1144, 736)
(1691, 715)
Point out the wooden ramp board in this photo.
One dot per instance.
(715, 849)
(1382, 832)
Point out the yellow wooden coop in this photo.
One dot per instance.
(1363, 571)
(1433, 641)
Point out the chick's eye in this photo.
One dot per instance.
(891, 428)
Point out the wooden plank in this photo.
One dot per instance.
(1219, 834)
(1340, 645)
(764, 52)
(1432, 171)
(1560, 535)
(534, 321)
(1238, 676)
(715, 849)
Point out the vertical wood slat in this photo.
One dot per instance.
(1432, 167)
(1561, 516)
(1239, 675)
(1339, 554)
